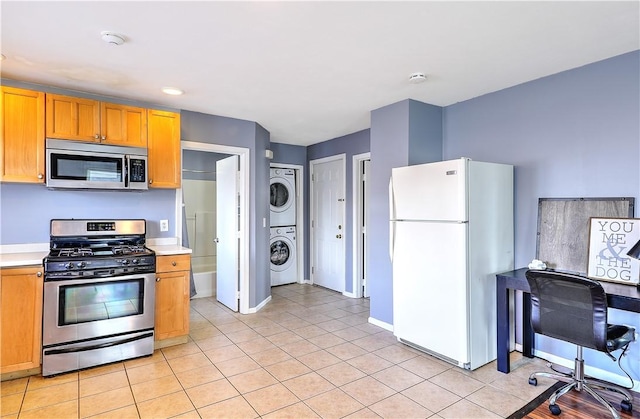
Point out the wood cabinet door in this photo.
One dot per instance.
(164, 149)
(21, 135)
(172, 304)
(73, 118)
(123, 125)
(21, 311)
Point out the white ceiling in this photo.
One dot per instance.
(307, 71)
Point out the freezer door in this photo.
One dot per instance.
(433, 191)
(430, 295)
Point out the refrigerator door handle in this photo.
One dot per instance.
(392, 225)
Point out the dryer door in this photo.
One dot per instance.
(282, 195)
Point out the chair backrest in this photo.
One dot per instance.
(569, 307)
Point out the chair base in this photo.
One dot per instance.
(578, 381)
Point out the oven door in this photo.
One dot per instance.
(90, 322)
(83, 309)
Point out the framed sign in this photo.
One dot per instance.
(609, 241)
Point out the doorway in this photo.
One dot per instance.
(238, 286)
(298, 202)
(327, 222)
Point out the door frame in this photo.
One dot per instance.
(358, 255)
(243, 190)
(312, 163)
(299, 170)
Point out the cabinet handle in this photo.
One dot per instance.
(150, 181)
(103, 138)
(38, 274)
(173, 263)
(40, 175)
(97, 136)
(157, 279)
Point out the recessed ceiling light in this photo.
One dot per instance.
(416, 78)
(172, 91)
(112, 38)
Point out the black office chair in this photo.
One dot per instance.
(574, 309)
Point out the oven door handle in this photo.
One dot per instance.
(99, 346)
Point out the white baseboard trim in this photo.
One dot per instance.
(306, 281)
(349, 294)
(259, 306)
(621, 380)
(382, 324)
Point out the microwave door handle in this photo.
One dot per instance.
(126, 171)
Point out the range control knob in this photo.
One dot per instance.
(135, 261)
(69, 265)
(81, 265)
(125, 261)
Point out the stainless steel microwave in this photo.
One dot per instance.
(80, 165)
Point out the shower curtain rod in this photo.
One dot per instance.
(198, 171)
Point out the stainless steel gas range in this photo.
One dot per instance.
(99, 294)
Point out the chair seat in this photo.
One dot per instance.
(618, 336)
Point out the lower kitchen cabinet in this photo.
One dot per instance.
(21, 314)
(172, 299)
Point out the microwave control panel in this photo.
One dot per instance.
(137, 170)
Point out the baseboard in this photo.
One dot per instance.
(349, 294)
(257, 308)
(380, 323)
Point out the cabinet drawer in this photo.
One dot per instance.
(173, 263)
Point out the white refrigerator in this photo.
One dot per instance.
(451, 232)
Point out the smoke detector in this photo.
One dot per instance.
(416, 78)
(112, 38)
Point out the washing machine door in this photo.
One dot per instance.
(282, 194)
(281, 254)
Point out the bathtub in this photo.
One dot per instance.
(204, 276)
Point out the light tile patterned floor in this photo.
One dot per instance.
(309, 353)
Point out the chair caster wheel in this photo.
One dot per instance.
(555, 409)
(626, 406)
(533, 381)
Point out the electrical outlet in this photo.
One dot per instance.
(164, 225)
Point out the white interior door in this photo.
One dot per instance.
(328, 230)
(227, 226)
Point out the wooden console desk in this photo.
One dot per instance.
(620, 296)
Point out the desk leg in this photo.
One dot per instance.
(503, 327)
(527, 330)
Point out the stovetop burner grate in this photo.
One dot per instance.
(75, 251)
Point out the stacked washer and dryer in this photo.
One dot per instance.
(284, 266)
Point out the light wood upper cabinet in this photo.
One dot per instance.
(123, 125)
(172, 296)
(164, 149)
(21, 135)
(72, 118)
(21, 314)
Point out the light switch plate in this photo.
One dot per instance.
(164, 225)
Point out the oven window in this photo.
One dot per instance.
(100, 301)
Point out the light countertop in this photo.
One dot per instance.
(10, 260)
(169, 249)
(32, 254)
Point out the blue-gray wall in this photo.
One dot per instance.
(402, 134)
(289, 154)
(350, 145)
(572, 134)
